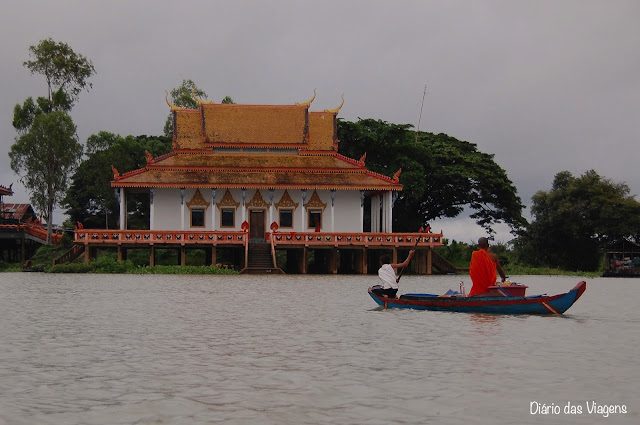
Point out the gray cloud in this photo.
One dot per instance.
(545, 86)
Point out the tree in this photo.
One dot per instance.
(90, 198)
(44, 156)
(183, 96)
(47, 148)
(441, 175)
(575, 220)
(66, 73)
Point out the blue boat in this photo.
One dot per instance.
(500, 300)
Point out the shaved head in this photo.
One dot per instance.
(483, 243)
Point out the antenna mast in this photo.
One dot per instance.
(422, 106)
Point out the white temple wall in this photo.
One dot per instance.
(168, 211)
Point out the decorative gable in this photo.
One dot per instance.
(315, 202)
(286, 201)
(227, 201)
(257, 201)
(198, 201)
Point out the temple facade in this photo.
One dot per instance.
(260, 175)
(263, 165)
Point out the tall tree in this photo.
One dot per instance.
(576, 219)
(66, 73)
(442, 176)
(44, 156)
(47, 148)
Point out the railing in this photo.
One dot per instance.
(173, 237)
(70, 255)
(356, 239)
(31, 229)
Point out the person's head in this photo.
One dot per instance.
(483, 243)
(385, 259)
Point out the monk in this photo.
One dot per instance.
(483, 268)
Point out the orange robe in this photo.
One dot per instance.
(482, 271)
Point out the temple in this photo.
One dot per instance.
(261, 178)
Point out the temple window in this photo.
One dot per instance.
(197, 217)
(314, 208)
(286, 218)
(315, 219)
(286, 206)
(197, 207)
(228, 207)
(228, 217)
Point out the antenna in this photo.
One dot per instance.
(422, 106)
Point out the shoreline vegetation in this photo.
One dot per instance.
(137, 263)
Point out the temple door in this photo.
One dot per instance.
(257, 224)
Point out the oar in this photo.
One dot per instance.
(414, 247)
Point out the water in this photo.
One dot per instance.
(116, 349)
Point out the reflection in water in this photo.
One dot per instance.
(105, 349)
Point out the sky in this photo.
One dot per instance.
(545, 86)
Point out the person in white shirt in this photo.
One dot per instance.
(387, 274)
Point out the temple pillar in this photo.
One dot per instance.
(152, 215)
(375, 214)
(429, 260)
(152, 256)
(361, 211)
(333, 217)
(87, 254)
(182, 206)
(123, 209)
(303, 214)
(213, 210)
(303, 261)
(333, 261)
(213, 256)
(183, 255)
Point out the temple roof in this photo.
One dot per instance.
(5, 191)
(255, 146)
(256, 170)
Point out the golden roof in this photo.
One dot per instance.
(278, 147)
(255, 124)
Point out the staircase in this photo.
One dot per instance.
(260, 260)
(70, 255)
(444, 266)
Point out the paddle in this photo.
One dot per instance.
(414, 247)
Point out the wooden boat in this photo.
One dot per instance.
(500, 300)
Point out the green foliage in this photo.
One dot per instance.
(90, 198)
(227, 100)
(575, 220)
(65, 71)
(44, 157)
(441, 175)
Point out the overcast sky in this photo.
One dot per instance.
(546, 86)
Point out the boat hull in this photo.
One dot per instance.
(537, 304)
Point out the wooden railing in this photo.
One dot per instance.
(356, 239)
(31, 229)
(173, 237)
(70, 255)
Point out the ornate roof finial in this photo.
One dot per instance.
(171, 105)
(396, 176)
(116, 174)
(200, 101)
(308, 102)
(362, 158)
(149, 156)
(335, 111)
